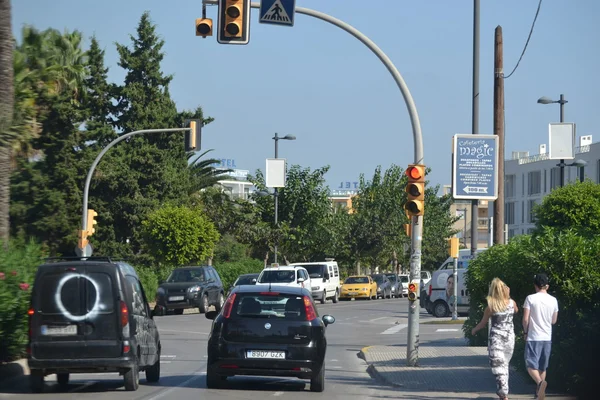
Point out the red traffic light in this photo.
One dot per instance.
(415, 172)
(412, 287)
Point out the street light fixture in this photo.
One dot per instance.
(562, 102)
(276, 138)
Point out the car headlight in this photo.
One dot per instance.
(379, 289)
(160, 291)
(194, 289)
(365, 289)
(316, 287)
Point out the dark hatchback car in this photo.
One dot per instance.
(90, 316)
(268, 331)
(190, 287)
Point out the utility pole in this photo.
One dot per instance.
(475, 117)
(499, 131)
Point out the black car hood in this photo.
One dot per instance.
(179, 285)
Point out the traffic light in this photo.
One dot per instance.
(204, 27)
(91, 221)
(234, 22)
(412, 291)
(82, 240)
(407, 229)
(193, 137)
(415, 203)
(453, 247)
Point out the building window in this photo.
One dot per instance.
(530, 231)
(509, 213)
(545, 181)
(523, 212)
(534, 181)
(531, 218)
(510, 185)
(598, 171)
(522, 184)
(554, 177)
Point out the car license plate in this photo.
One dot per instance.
(59, 330)
(176, 298)
(265, 354)
(352, 293)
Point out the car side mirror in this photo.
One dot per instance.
(211, 314)
(300, 280)
(253, 280)
(328, 319)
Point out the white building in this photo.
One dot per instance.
(528, 178)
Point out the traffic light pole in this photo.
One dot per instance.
(412, 349)
(88, 179)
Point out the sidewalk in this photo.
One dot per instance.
(445, 372)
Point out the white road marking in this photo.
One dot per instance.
(196, 376)
(335, 367)
(377, 319)
(277, 393)
(165, 356)
(446, 330)
(333, 360)
(165, 362)
(85, 385)
(394, 329)
(192, 332)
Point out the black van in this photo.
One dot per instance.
(87, 316)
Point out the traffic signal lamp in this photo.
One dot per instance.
(82, 240)
(453, 247)
(91, 221)
(204, 27)
(408, 229)
(415, 203)
(234, 22)
(412, 291)
(193, 137)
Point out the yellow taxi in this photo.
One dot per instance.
(359, 287)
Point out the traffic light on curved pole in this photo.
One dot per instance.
(233, 22)
(204, 27)
(415, 189)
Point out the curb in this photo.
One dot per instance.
(13, 370)
(372, 370)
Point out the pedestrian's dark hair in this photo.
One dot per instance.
(540, 280)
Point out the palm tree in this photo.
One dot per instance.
(203, 173)
(6, 114)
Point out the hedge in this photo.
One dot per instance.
(573, 266)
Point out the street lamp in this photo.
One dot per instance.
(276, 138)
(579, 164)
(562, 102)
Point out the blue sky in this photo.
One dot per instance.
(320, 84)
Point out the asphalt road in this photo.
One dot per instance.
(184, 337)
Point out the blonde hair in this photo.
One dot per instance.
(498, 296)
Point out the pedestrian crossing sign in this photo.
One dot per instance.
(277, 12)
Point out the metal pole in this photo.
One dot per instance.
(455, 290)
(475, 116)
(417, 222)
(88, 179)
(465, 223)
(562, 119)
(276, 196)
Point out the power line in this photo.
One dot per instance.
(526, 43)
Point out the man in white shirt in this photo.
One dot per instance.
(540, 312)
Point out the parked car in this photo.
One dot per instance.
(359, 286)
(404, 279)
(268, 331)
(90, 316)
(190, 287)
(395, 284)
(384, 287)
(285, 276)
(325, 279)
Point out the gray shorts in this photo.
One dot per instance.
(537, 354)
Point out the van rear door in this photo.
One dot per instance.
(74, 308)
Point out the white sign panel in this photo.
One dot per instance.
(275, 176)
(561, 141)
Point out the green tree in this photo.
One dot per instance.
(177, 235)
(203, 172)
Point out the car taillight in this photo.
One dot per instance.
(30, 313)
(124, 314)
(310, 309)
(228, 306)
(430, 290)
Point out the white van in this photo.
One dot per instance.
(325, 278)
(464, 257)
(440, 300)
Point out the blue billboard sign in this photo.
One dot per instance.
(475, 167)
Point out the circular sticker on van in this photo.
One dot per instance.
(61, 307)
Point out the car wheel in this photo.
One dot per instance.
(204, 304)
(131, 378)
(153, 373)
(178, 311)
(220, 302)
(440, 309)
(36, 380)
(324, 299)
(63, 381)
(317, 382)
(336, 297)
(213, 380)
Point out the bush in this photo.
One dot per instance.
(149, 281)
(229, 271)
(572, 264)
(18, 265)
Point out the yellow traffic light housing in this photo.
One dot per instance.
(408, 229)
(234, 22)
(412, 291)
(453, 247)
(91, 221)
(415, 188)
(193, 137)
(204, 27)
(82, 240)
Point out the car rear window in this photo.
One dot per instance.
(392, 277)
(404, 278)
(315, 271)
(75, 294)
(256, 305)
(285, 276)
(245, 280)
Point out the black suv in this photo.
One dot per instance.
(190, 287)
(90, 315)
